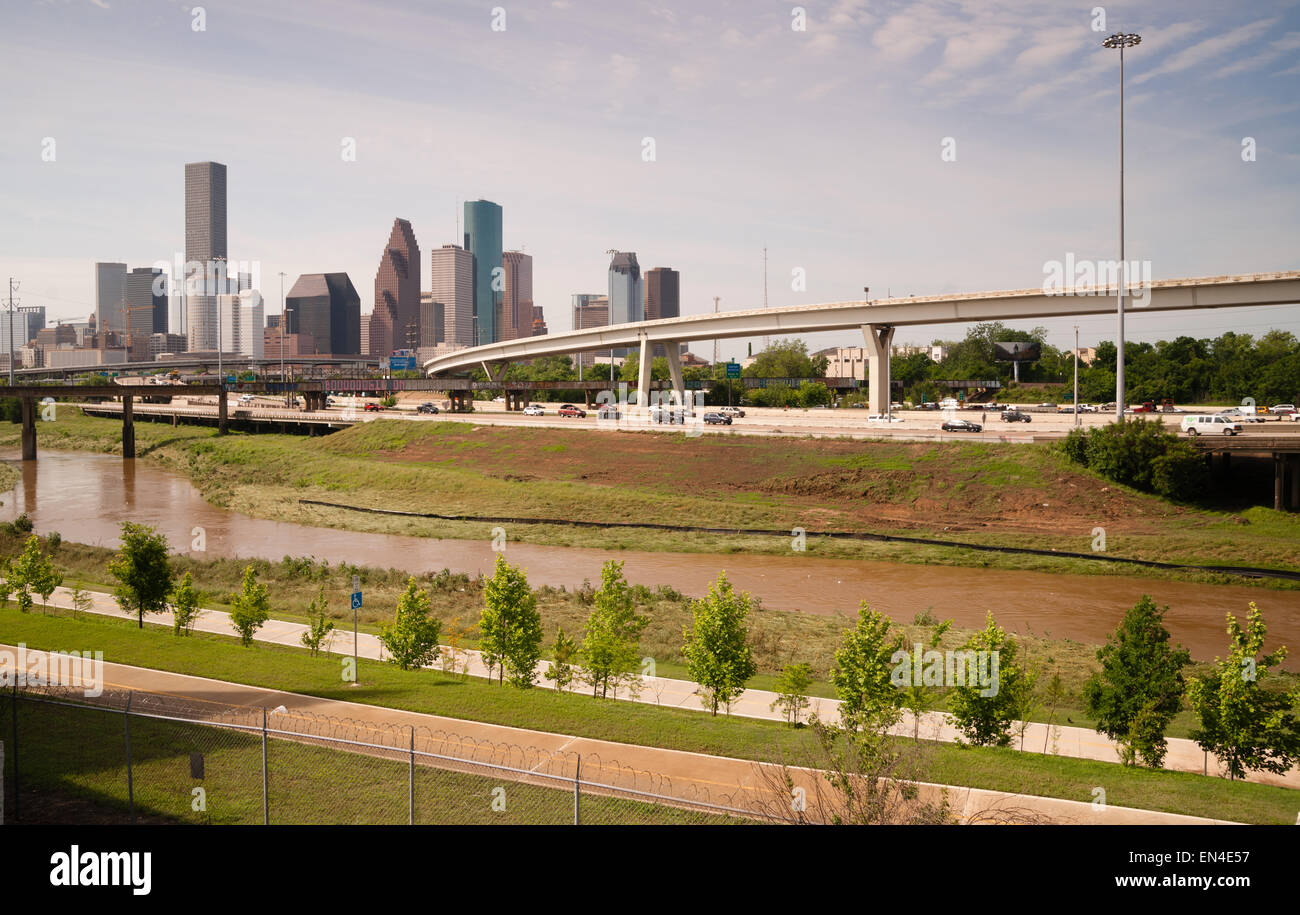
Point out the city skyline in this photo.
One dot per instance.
(868, 202)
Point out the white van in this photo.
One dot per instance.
(1210, 425)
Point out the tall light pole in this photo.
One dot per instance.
(1121, 40)
(286, 390)
(1076, 374)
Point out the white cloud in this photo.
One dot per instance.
(1207, 50)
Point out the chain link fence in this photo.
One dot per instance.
(148, 757)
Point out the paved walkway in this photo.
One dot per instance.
(1183, 755)
(734, 782)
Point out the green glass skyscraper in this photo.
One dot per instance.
(483, 240)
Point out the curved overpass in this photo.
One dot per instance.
(877, 319)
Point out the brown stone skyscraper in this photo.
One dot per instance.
(395, 322)
(516, 318)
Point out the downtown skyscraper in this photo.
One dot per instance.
(516, 319)
(483, 240)
(451, 284)
(205, 249)
(395, 322)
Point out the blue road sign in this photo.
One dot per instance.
(356, 600)
(733, 369)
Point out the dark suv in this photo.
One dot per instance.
(1015, 416)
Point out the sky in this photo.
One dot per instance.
(916, 148)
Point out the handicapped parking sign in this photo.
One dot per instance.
(356, 600)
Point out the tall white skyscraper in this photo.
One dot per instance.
(242, 320)
(205, 248)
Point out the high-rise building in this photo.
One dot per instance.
(516, 316)
(625, 298)
(205, 251)
(589, 310)
(110, 288)
(483, 240)
(146, 302)
(395, 322)
(451, 282)
(328, 307)
(662, 298)
(539, 321)
(241, 323)
(433, 321)
(33, 317)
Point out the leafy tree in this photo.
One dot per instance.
(792, 692)
(34, 572)
(612, 636)
(1247, 726)
(919, 698)
(565, 653)
(510, 628)
(1140, 686)
(716, 647)
(862, 676)
(81, 601)
(786, 359)
(986, 712)
(142, 569)
(185, 606)
(320, 627)
(250, 608)
(412, 640)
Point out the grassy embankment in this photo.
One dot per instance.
(473, 699)
(978, 493)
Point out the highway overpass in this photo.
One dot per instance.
(877, 319)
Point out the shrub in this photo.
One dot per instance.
(1075, 446)
(1180, 473)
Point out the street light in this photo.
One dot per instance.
(286, 387)
(1121, 40)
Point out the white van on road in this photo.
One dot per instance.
(1210, 425)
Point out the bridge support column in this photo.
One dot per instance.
(221, 411)
(1294, 460)
(128, 426)
(674, 351)
(27, 407)
(1279, 481)
(879, 337)
(642, 379)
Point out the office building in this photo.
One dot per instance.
(662, 294)
(433, 321)
(451, 282)
(146, 302)
(395, 322)
(110, 290)
(589, 310)
(539, 322)
(516, 315)
(328, 307)
(294, 344)
(205, 251)
(626, 302)
(164, 344)
(483, 241)
(242, 323)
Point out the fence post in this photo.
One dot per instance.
(266, 806)
(14, 714)
(410, 799)
(577, 789)
(130, 778)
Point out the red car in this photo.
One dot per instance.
(373, 407)
(570, 410)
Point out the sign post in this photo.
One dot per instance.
(356, 606)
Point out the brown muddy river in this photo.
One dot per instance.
(86, 496)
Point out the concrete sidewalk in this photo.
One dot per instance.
(735, 783)
(1183, 755)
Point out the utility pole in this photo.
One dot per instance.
(766, 338)
(286, 389)
(715, 339)
(1076, 374)
(11, 331)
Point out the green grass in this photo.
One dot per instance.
(432, 692)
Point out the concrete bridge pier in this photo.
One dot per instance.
(674, 351)
(27, 407)
(128, 427)
(879, 337)
(313, 400)
(642, 379)
(1286, 481)
(222, 410)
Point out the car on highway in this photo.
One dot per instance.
(1218, 424)
(374, 407)
(717, 419)
(1016, 416)
(608, 411)
(1242, 415)
(534, 409)
(961, 425)
(1047, 406)
(1282, 409)
(732, 411)
(884, 418)
(245, 398)
(569, 409)
(426, 407)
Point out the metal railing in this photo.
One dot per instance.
(141, 756)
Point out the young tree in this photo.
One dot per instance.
(985, 712)
(717, 651)
(185, 606)
(565, 652)
(250, 608)
(510, 629)
(792, 692)
(320, 628)
(1141, 679)
(918, 698)
(81, 601)
(142, 570)
(33, 573)
(613, 633)
(1246, 725)
(412, 640)
(869, 700)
